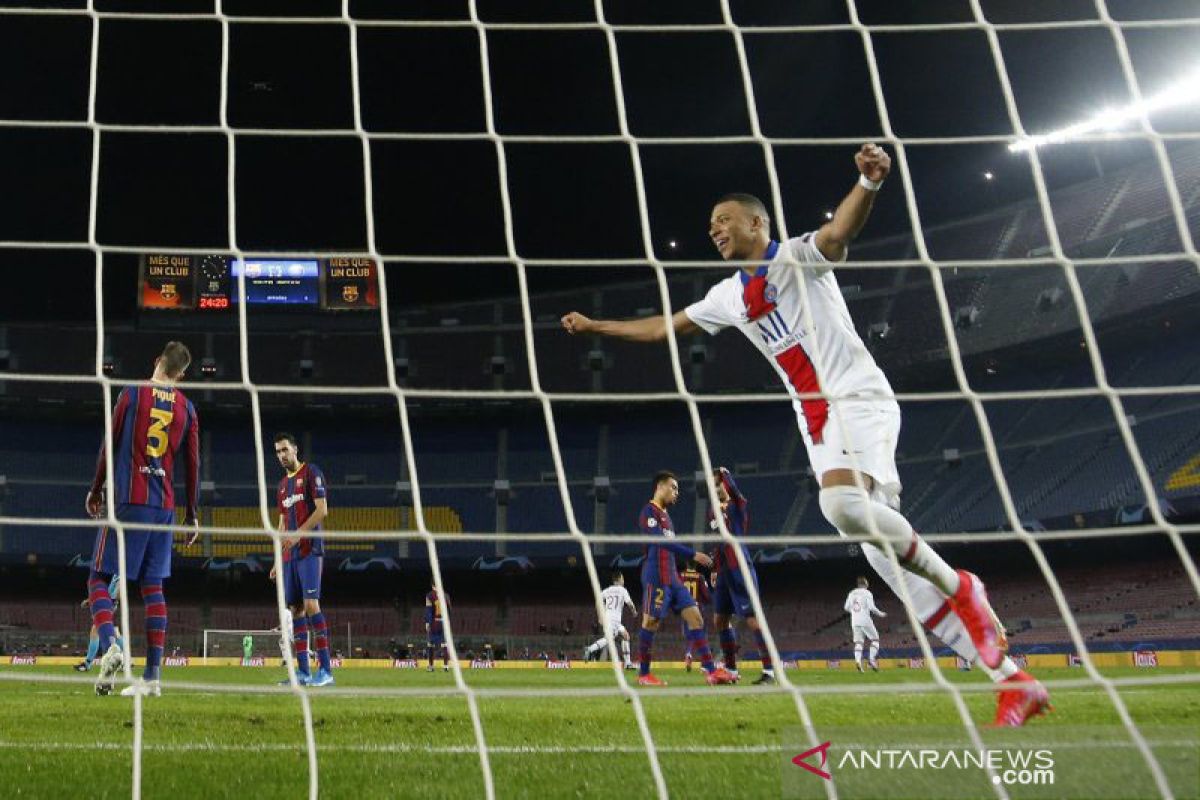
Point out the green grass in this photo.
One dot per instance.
(57, 739)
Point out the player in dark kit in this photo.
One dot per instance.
(697, 587)
(663, 591)
(303, 506)
(435, 632)
(151, 424)
(730, 595)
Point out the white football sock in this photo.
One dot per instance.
(926, 600)
(625, 650)
(851, 511)
(874, 651)
(858, 653)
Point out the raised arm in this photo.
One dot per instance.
(835, 236)
(646, 329)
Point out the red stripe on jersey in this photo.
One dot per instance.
(139, 481)
(666, 565)
(803, 377)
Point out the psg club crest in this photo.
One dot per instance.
(771, 293)
(350, 293)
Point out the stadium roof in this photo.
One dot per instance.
(572, 199)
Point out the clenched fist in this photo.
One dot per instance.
(574, 322)
(873, 162)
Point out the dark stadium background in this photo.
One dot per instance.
(459, 325)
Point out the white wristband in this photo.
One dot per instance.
(868, 184)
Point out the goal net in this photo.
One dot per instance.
(437, 181)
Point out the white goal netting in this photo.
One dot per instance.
(1136, 125)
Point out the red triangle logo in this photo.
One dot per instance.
(823, 750)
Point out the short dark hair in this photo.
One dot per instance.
(284, 436)
(662, 476)
(176, 358)
(863, 582)
(617, 576)
(748, 201)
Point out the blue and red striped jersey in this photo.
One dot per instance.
(298, 495)
(150, 425)
(433, 608)
(659, 566)
(737, 520)
(696, 585)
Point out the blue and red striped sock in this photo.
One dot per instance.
(698, 644)
(763, 652)
(102, 609)
(729, 647)
(300, 639)
(645, 642)
(321, 634)
(156, 628)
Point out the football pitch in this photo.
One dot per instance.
(57, 739)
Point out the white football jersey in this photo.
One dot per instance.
(614, 599)
(841, 367)
(860, 603)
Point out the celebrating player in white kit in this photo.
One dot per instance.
(846, 411)
(861, 605)
(615, 599)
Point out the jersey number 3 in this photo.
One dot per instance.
(156, 435)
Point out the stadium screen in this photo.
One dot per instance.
(210, 282)
(277, 281)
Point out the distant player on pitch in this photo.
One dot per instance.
(663, 592)
(861, 605)
(615, 600)
(303, 505)
(730, 595)
(151, 425)
(697, 586)
(435, 631)
(851, 442)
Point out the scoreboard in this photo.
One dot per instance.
(209, 283)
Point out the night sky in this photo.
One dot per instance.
(570, 200)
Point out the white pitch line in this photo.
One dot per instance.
(400, 748)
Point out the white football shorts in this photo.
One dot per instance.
(860, 435)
